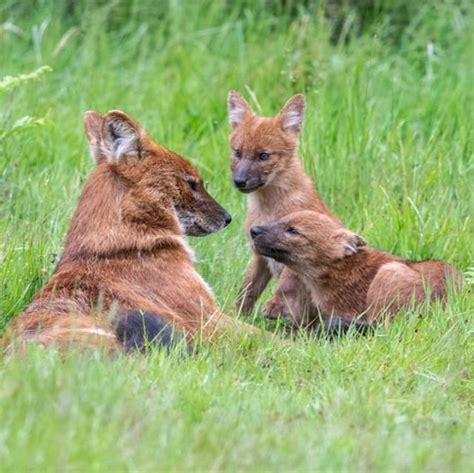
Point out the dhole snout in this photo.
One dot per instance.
(246, 176)
(270, 241)
(201, 214)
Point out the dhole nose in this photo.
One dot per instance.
(227, 218)
(255, 231)
(240, 182)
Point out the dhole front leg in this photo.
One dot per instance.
(255, 282)
(291, 299)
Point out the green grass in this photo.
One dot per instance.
(388, 137)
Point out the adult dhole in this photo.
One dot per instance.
(126, 275)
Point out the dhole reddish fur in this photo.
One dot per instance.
(346, 277)
(125, 248)
(265, 165)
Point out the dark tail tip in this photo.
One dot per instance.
(138, 331)
(336, 327)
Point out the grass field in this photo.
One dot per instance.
(388, 138)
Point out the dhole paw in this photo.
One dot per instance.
(244, 306)
(273, 309)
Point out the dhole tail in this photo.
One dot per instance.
(133, 331)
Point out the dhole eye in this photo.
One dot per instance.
(263, 156)
(193, 185)
(292, 231)
(238, 153)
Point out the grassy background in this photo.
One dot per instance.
(388, 137)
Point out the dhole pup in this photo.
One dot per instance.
(265, 165)
(126, 274)
(346, 277)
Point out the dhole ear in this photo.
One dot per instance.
(92, 127)
(120, 136)
(292, 114)
(238, 108)
(351, 242)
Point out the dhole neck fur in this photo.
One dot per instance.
(288, 185)
(101, 227)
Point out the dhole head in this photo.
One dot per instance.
(305, 239)
(160, 187)
(262, 147)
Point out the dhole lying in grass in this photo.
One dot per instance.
(126, 274)
(346, 277)
(265, 165)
